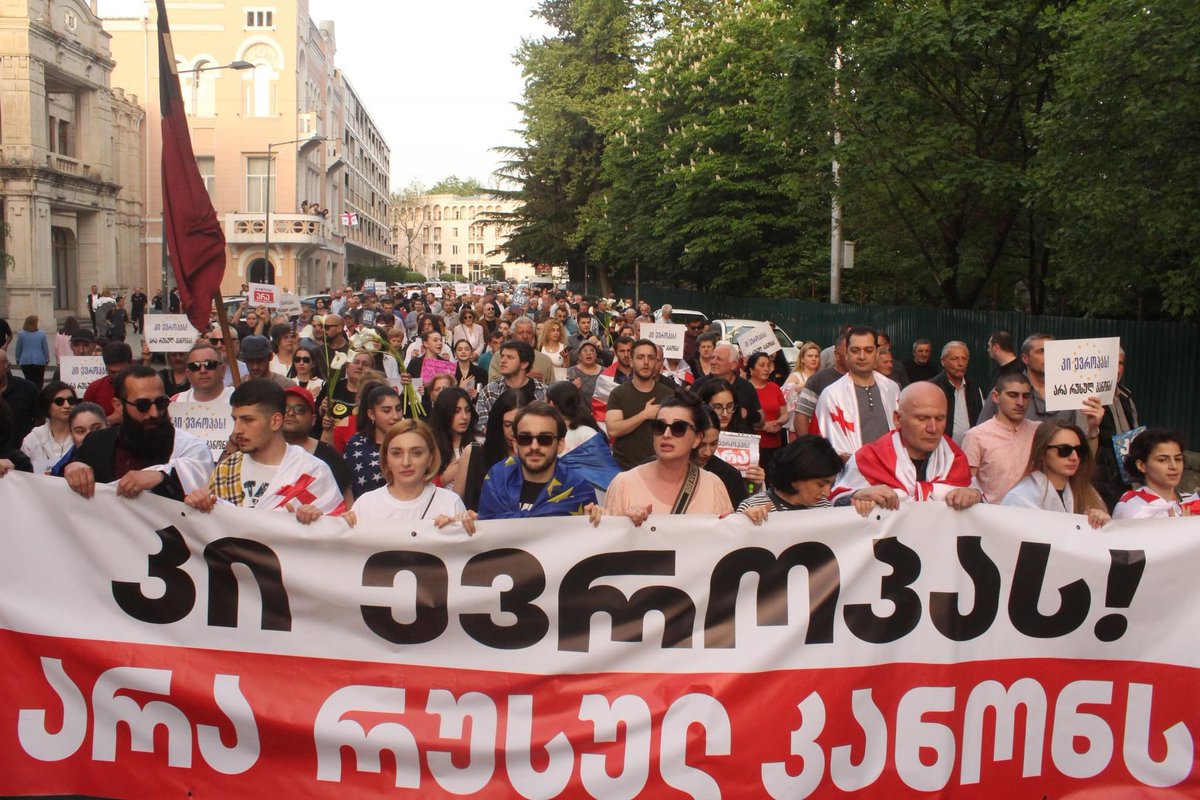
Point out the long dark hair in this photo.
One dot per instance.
(441, 417)
(568, 399)
(47, 397)
(374, 397)
(713, 387)
(318, 361)
(495, 447)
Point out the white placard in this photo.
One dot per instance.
(1077, 369)
(262, 294)
(435, 290)
(79, 371)
(478, 289)
(289, 304)
(462, 289)
(759, 339)
(210, 422)
(667, 335)
(738, 449)
(169, 333)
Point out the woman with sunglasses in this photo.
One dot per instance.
(470, 331)
(1155, 460)
(1058, 476)
(672, 483)
(378, 412)
(48, 443)
(409, 463)
(308, 369)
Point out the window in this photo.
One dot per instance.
(257, 189)
(208, 173)
(260, 18)
(453, 249)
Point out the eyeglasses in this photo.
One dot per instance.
(525, 439)
(297, 411)
(677, 428)
(1065, 450)
(196, 366)
(216, 342)
(301, 360)
(723, 408)
(67, 401)
(143, 404)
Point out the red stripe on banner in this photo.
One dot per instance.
(217, 724)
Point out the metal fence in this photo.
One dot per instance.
(1161, 357)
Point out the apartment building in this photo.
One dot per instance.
(437, 233)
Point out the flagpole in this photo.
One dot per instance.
(223, 318)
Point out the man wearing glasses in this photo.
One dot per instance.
(535, 483)
(143, 452)
(206, 372)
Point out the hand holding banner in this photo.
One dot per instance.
(262, 294)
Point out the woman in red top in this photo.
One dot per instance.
(774, 408)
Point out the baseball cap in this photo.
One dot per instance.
(82, 336)
(303, 394)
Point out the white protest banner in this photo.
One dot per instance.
(759, 339)
(289, 304)
(79, 371)
(478, 289)
(668, 335)
(738, 449)
(233, 653)
(435, 290)
(462, 289)
(169, 333)
(212, 423)
(262, 294)
(1077, 369)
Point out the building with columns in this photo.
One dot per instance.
(447, 233)
(278, 142)
(70, 168)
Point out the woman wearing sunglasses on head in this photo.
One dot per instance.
(672, 483)
(1155, 460)
(1059, 474)
(48, 443)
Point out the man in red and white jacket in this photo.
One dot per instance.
(916, 461)
(616, 373)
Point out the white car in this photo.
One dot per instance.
(730, 329)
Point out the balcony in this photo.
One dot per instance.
(301, 229)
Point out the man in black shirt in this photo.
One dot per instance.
(22, 398)
(921, 367)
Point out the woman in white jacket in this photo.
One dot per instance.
(1059, 475)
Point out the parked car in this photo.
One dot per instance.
(682, 316)
(730, 329)
(311, 300)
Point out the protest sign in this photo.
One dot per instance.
(759, 339)
(738, 449)
(289, 304)
(262, 294)
(1077, 369)
(668, 335)
(478, 289)
(212, 423)
(462, 289)
(79, 371)
(435, 366)
(435, 290)
(169, 333)
(236, 652)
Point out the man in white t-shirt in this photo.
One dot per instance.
(206, 374)
(266, 472)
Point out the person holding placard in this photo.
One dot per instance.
(1058, 476)
(1155, 460)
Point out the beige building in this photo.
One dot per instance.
(70, 172)
(270, 139)
(366, 180)
(438, 233)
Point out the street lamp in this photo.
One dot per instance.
(166, 258)
(267, 206)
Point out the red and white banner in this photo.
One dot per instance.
(151, 651)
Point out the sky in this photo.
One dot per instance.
(437, 77)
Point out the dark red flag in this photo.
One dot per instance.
(194, 236)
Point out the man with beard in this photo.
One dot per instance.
(298, 417)
(143, 452)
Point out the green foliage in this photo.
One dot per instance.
(463, 187)
(449, 276)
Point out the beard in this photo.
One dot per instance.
(152, 439)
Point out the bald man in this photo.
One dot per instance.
(916, 461)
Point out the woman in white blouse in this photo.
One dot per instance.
(1058, 476)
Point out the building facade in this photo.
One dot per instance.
(445, 233)
(70, 172)
(271, 136)
(366, 180)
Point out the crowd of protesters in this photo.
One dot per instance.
(549, 403)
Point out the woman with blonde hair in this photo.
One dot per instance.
(553, 343)
(808, 363)
(1058, 476)
(409, 462)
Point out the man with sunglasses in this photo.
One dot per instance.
(206, 373)
(535, 483)
(143, 452)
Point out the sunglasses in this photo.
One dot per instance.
(297, 411)
(143, 404)
(543, 439)
(677, 428)
(196, 366)
(723, 408)
(67, 401)
(301, 360)
(1065, 450)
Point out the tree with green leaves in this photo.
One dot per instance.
(463, 187)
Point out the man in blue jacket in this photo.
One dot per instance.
(535, 483)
